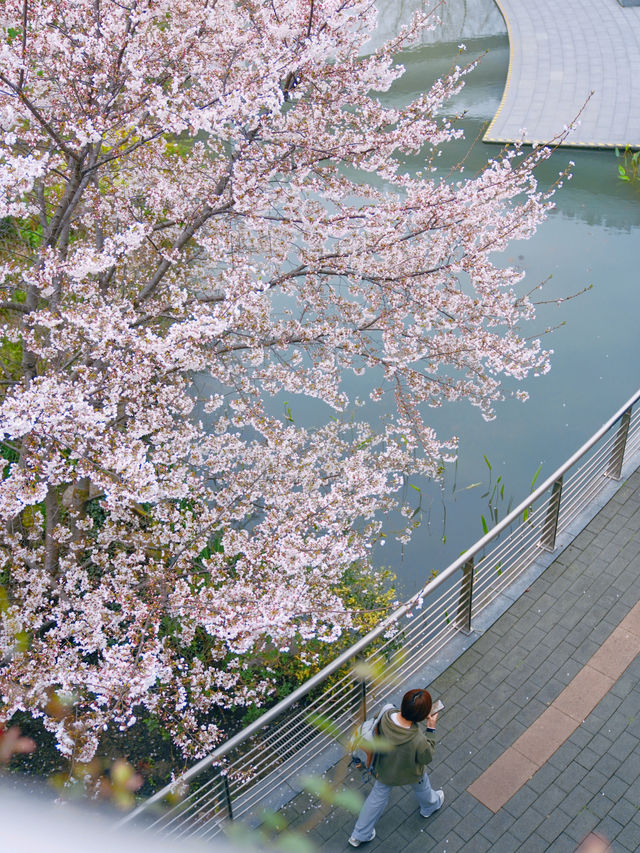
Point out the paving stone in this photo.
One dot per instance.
(601, 744)
(504, 844)
(497, 825)
(478, 844)
(629, 770)
(623, 811)
(467, 661)
(608, 828)
(608, 705)
(521, 801)
(520, 675)
(461, 780)
(564, 843)
(594, 780)
(576, 800)
(477, 696)
(505, 713)
(623, 746)
(549, 687)
(550, 799)
(565, 755)
(442, 823)
(629, 836)
(526, 824)
(388, 824)
(417, 845)
(462, 734)
(452, 843)
(554, 824)
(582, 825)
(584, 651)
(486, 733)
(412, 828)
(580, 737)
(570, 777)
(600, 805)
(633, 795)
(544, 778)
(509, 733)
(473, 822)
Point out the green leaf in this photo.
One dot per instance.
(348, 799)
(377, 744)
(274, 821)
(487, 461)
(292, 842)
(535, 477)
(318, 786)
(23, 641)
(324, 724)
(485, 526)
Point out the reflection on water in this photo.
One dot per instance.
(594, 195)
(459, 19)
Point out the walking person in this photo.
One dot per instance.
(411, 748)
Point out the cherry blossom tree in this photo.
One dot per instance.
(215, 188)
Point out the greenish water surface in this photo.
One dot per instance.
(591, 238)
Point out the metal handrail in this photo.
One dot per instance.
(545, 528)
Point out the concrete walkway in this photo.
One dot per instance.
(557, 680)
(560, 52)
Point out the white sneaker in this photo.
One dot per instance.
(355, 843)
(440, 794)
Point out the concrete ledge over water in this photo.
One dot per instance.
(570, 58)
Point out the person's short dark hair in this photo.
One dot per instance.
(416, 705)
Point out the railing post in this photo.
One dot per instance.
(465, 601)
(550, 528)
(619, 445)
(226, 790)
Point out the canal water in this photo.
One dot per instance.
(591, 238)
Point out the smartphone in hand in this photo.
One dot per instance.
(437, 707)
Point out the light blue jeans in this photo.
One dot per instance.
(378, 798)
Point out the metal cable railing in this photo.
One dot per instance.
(242, 773)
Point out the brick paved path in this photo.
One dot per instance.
(501, 685)
(561, 50)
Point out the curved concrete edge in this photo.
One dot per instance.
(488, 137)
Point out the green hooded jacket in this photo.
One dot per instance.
(411, 749)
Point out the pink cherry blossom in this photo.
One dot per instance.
(217, 212)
